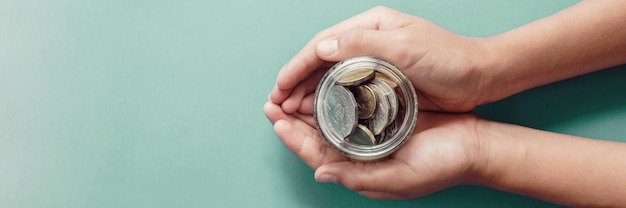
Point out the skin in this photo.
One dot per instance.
(453, 74)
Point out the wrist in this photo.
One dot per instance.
(497, 150)
(492, 68)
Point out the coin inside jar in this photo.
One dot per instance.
(366, 101)
(389, 94)
(362, 135)
(386, 79)
(356, 77)
(341, 110)
(379, 120)
(365, 108)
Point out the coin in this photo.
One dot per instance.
(394, 127)
(385, 78)
(366, 101)
(378, 121)
(389, 94)
(400, 117)
(345, 119)
(363, 136)
(356, 77)
(401, 98)
(381, 137)
(341, 110)
(391, 130)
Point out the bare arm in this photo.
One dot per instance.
(580, 172)
(560, 168)
(588, 36)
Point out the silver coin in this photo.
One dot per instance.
(341, 109)
(401, 99)
(388, 92)
(362, 135)
(379, 120)
(387, 79)
(393, 128)
(400, 117)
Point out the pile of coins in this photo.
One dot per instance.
(364, 107)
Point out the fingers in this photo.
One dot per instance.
(308, 119)
(307, 104)
(349, 44)
(277, 95)
(306, 61)
(382, 195)
(368, 177)
(297, 133)
(305, 142)
(291, 104)
(274, 113)
(385, 44)
(294, 101)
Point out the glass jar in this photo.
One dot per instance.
(365, 108)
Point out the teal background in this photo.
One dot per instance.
(111, 103)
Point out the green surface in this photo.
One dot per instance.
(159, 103)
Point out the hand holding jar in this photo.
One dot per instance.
(451, 75)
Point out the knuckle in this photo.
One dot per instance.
(404, 36)
(322, 34)
(352, 39)
(354, 185)
(381, 9)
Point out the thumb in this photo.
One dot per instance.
(361, 176)
(359, 43)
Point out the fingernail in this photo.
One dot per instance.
(327, 47)
(327, 178)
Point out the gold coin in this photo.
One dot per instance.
(379, 120)
(366, 101)
(356, 77)
(382, 77)
(362, 135)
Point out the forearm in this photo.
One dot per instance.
(588, 36)
(555, 167)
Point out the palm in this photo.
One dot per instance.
(436, 155)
